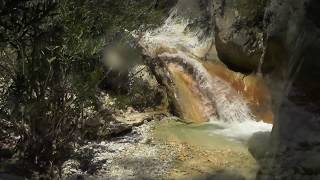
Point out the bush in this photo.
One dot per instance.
(50, 66)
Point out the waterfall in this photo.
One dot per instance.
(172, 44)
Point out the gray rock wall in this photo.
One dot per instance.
(293, 45)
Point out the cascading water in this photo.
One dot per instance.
(220, 102)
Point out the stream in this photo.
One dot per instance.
(204, 154)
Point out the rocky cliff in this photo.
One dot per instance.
(293, 43)
(289, 32)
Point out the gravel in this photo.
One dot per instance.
(133, 156)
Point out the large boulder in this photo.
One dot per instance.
(258, 145)
(239, 32)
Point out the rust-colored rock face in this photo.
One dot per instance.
(251, 87)
(194, 103)
(188, 95)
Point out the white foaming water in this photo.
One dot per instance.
(241, 131)
(172, 36)
(172, 44)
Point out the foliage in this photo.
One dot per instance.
(50, 68)
(41, 103)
